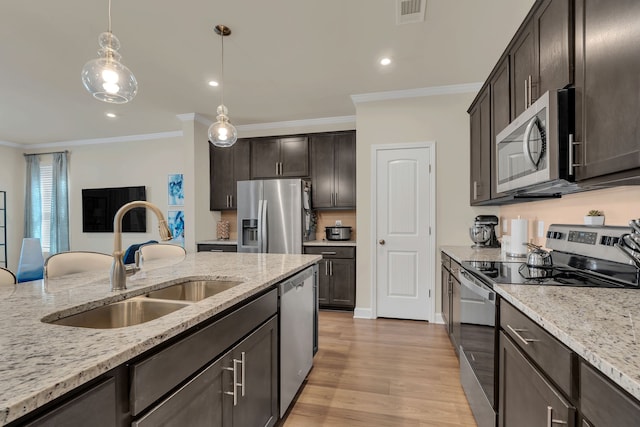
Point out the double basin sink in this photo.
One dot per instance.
(152, 305)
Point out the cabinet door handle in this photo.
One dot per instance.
(276, 168)
(572, 163)
(330, 268)
(526, 102)
(326, 268)
(475, 190)
(243, 362)
(233, 393)
(529, 91)
(550, 420)
(526, 341)
(231, 200)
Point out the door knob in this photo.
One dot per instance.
(381, 241)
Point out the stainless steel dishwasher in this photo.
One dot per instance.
(297, 330)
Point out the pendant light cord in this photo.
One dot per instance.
(222, 73)
(109, 16)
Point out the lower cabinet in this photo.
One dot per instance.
(451, 306)
(209, 247)
(92, 407)
(336, 276)
(527, 399)
(238, 389)
(603, 403)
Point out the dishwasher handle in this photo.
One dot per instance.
(477, 287)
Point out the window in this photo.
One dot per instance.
(46, 188)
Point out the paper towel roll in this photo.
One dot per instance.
(519, 237)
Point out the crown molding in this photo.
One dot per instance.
(10, 144)
(416, 93)
(298, 123)
(129, 138)
(194, 117)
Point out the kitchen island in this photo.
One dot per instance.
(598, 324)
(40, 362)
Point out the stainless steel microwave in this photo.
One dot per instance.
(533, 153)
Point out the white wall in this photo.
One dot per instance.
(12, 178)
(442, 119)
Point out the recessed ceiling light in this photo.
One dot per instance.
(213, 83)
(111, 115)
(385, 61)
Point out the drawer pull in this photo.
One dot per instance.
(550, 421)
(328, 253)
(526, 341)
(216, 250)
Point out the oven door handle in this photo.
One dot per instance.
(468, 282)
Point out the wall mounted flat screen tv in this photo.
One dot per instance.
(99, 207)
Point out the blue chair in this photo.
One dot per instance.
(31, 264)
(130, 254)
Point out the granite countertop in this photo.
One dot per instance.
(218, 242)
(40, 362)
(330, 243)
(598, 324)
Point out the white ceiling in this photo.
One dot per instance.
(285, 59)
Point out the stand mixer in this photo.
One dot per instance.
(483, 232)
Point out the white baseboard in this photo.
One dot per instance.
(363, 313)
(439, 319)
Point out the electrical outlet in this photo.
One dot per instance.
(338, 223)
(504, 226)
(540, 228)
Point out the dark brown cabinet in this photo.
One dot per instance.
(603, 403)
(209, 247)
(480, 115)
(607, 87)
(527, 398)
(95, 406)
(539, 58)
(286, 157)
(541, 54)
(336, 276)
(451, 302)
(227, 166)
(333, 172)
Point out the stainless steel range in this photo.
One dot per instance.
(581, 256)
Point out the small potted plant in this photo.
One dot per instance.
(594, 217)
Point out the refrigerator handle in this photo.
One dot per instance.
(264, 236)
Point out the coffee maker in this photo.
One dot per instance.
(483, 232)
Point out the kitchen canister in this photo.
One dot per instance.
(519, 238)
(222, 230)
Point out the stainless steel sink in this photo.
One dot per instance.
(120, 314)
(194, 290)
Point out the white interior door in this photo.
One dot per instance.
(403, 242)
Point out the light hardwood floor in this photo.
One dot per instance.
(381, 372)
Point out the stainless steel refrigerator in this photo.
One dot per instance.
(273, 215)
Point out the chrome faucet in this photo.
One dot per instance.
(118, 273)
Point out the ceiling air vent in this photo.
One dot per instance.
(408, 11)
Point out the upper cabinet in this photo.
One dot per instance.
(480, 148)
(333, 171)
(540, 55)
(607, 88)
(539, 58)
(227, 166)
(286, 157)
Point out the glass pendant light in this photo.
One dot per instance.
(222, 133)
(105, 77)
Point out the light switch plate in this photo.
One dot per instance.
(338, 223)
(540, 228)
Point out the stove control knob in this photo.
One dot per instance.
(555, 235)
